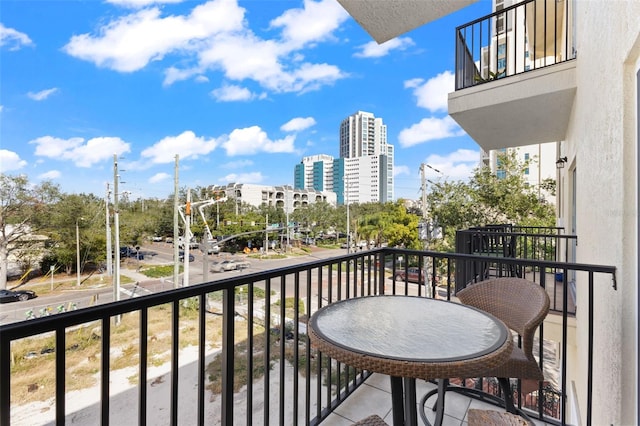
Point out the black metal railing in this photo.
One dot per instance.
(252, 362)
(533, 243)
(525, 36)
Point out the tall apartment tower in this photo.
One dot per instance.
(368, 160)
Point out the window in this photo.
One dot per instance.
(502, 64)
(502, 49)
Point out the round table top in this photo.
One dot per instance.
(411, 336)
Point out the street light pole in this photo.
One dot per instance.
(77, 252)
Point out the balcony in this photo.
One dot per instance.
(203, 341)
(516, 68)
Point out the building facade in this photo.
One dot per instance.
(284, 197)
(314, 172)
(581, 90)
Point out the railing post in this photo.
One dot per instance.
(5, 381)
(228, 330)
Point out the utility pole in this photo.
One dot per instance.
(346, 196)
(176, 229)
(108, 228)
(266, 234)
(286, 211)
(187, 239)
(77, 253)
(116, 225)
(423, 188)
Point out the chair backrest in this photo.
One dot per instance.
(521, 304)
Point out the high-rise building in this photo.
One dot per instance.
(364, 171)
(368, 159)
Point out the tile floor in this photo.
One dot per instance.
(374, 397)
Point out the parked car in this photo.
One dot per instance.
(242, 264)
(412, 274)
(224, 265)
(181, 256)
(157, 239)
(7, 296)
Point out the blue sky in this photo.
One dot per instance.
(240, 90)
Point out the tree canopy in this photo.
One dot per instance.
(489, 198)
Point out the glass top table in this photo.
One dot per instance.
(410, 337)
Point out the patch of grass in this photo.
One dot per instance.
(159, 271)
(33, 366)
(42, 286)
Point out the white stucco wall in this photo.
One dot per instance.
(601, 144)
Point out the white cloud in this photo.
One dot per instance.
(129, 43)
(456, 165)
(201, 79)
(375, 50)
(429, 129)
(232, 93)
(10, 161)
(215, 37)
(172, 74)
(237, 164)
(254, 177)
(159, 177)
(433, 93)
(401, 170)
(252, 140)
(1, 108)
(298, 124)
(136, 4)
(43, 94)
(13, 39)
(82, 154)
(315, 22)
(50, 175)
(187, 145)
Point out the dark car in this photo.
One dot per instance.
(412, 275)
(7, 296)
(131, 252)
(181, 256)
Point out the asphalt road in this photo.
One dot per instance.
(155, 253)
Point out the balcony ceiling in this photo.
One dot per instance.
(529, 108)
(386, 19)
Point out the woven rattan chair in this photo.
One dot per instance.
(477, 417)
(373, 420)
(522, 305)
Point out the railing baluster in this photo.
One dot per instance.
(104, 363)
(60, 375)
(267, 348)
(202, 341)
(283, 338)
(250, 348)
(228, 359)
(175, 348)
(142, 367)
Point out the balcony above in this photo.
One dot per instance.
(527, 108)
(515, 75)
(384, 20)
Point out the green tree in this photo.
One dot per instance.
(22, 208)
(488, 198)
(88, 212)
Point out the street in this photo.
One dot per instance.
(155, 254)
